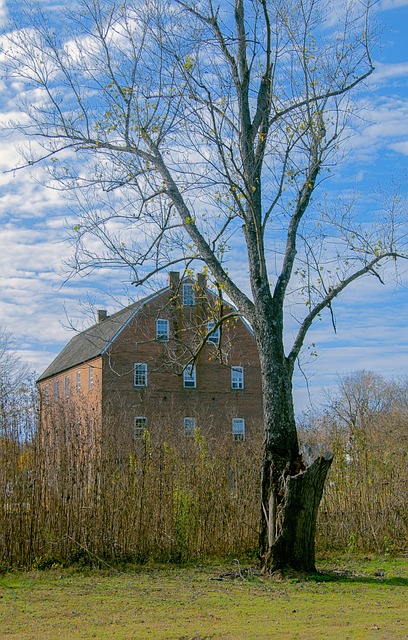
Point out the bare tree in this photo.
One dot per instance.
(188, 130)
(18, 403)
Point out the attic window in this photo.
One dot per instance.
(188, 294)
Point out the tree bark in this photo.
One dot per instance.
(290, 493)
(294, 545)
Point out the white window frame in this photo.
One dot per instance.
(90, 377)
(78, 381)
(213, 334)
(162, 330)
(139, 374)
(238, 429)
(190, 425)
(67, 386)
(188, 294)
(139, 427)
(237, 377)
(190, 377)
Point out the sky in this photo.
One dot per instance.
(41, 308)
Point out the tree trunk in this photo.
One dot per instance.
(293, 543)
(281, 457)
(290, 493)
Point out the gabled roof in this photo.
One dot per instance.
(94, 341)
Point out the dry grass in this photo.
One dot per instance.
(184, 501)
(360, 600)
(173, 498)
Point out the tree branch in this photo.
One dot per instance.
(329, 297)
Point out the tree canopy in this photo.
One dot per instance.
(188, 129)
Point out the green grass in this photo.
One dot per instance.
(350, 599)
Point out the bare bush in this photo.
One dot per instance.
(175, 497)
(365, 425)
(170, 496)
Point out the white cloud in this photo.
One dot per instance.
(371, 336)
(3, 12)
(384, 5)
(400, 147)
(385, 72)
(379, 128)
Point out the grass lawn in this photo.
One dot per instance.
(352, 599)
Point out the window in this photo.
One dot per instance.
(56, 391)
(78, 381)
(139, 427)
(67, 386)
(237, 377)
(162, 330)
(189, 426)
(90, 377)
(238, 429)
(214, 334)
(189, 376)
(188, 294)
(46, 394)
(140, 374)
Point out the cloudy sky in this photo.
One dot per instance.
(40, 307)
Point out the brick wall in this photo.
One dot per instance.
(71, 412)
(88, 416)
(165, 400)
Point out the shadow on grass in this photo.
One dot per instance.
(340, 576)
(349, 577)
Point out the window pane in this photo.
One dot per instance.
(237, 377)
(188, 294)
(189, 376)
(78, 381)
(56, 390)
(162, 329)
(139, 427)
(140, 374)
(213, 337)
(189, 425)
(90, 377)
(238, 429)
(67, 387)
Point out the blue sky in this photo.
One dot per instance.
(40, 308)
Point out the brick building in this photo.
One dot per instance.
(163, 364)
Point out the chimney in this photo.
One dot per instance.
(102, 314)
(202, 282)
(174, 281)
